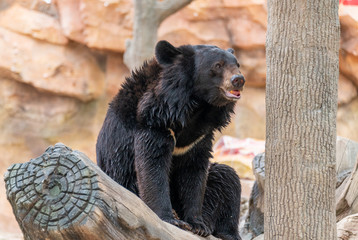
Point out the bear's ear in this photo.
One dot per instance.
(165, 52)
(230, 50)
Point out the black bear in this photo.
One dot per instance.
(156, 139)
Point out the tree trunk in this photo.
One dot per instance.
(148, 14)
(301, 104)
(64, 195)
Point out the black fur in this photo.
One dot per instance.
(176, 92)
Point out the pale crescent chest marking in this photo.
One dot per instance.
(178, 151)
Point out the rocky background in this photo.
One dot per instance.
(61, 61)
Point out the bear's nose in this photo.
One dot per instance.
(238, 81)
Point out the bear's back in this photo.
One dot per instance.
(124, 104)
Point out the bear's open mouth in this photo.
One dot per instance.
(233, 94)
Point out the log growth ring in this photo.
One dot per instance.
(52, 191)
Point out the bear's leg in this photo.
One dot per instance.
(188, 181)
(221, 208)
(153, 155)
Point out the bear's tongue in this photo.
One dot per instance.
(235, 92)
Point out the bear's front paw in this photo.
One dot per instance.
(199, 227)
(179, 223)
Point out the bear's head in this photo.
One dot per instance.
(213, 73)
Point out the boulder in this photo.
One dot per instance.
(204, 10)
(70, 20)
(250, 34)
(179, 31)
(45, 6)
(27, 112)
(69, 70)
(348, 57)
(346, 90)
(248, 27)
(108, 23)
(347, 116)
(36, 24)
(105, 24)
(253, 66)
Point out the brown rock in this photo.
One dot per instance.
(67, 70)
(348, 57)
(116, 72)
(30, 112)
(104, 24)
(45, 6)
(70, 19)
(347, 116)
(240, 24)
(247, 34)
(28, 119)
(179, 31)
(107, 23)
(248, 26)
(202, 10)
(346, 90)
(33, 23)
(253, 66)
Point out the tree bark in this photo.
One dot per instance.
(148, 15)
(301, 103)
(64, 195)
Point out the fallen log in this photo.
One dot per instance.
(64, 195)
(347, 228)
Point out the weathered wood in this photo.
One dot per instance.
(347, 195)
(347, 228)
(254, 223)
(64, 195)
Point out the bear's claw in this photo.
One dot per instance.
(200, 229)
(179, 223)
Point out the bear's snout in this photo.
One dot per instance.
(237, 81)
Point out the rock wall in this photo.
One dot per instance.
(61, 61)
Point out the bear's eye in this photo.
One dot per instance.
(218, 65)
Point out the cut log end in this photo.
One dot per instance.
(52, 191)
(64, 195)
